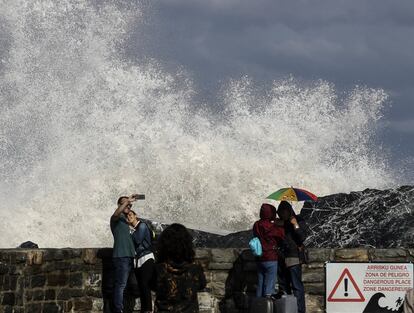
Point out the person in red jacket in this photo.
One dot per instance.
(269, 233)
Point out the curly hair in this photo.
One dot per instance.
(175, 244)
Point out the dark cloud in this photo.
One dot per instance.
(346, 42)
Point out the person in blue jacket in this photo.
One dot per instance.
(144, 258)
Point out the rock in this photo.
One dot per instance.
(29, 245)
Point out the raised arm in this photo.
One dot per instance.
(122, 206)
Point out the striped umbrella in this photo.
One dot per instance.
(292, 194)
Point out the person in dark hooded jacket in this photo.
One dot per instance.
(292, 254)
(177, 277)
(269, 234)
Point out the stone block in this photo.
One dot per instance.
(315, 288)
(203, 253)
(220, 266)
(314, 265)
(67, 306)
(6, 309)
(18, 257)
(9, 282)
(34, 257)
(38, 295)
(93, 280)
(4, 268)
(319, 255)
(352, 255)
(218, 288)
(76, 280)
(68, 293)
(33, 308)
(37, 281)
(57, 279)
(89, 256)
(83, 304)
(28, 295)
(223, 255)
(207, 301)
(97, 304)
(220, 276)
(8, 298)
(388, 255)
(93, 292)
(18, 309)
(50, 307)
(313, 276)
(314, 304)
(58, 254)
(50, 294)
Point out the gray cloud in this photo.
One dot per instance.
(346, 42)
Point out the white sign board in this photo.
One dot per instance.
(367, 287)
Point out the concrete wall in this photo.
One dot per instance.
(80, 280)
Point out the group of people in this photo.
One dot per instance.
(169, 270)
(283, 252)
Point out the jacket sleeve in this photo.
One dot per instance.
(138, 238)
(300, 233)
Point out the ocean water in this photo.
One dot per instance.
(80, 126)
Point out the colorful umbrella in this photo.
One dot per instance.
(293, 194)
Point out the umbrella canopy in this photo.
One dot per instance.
(292, 194)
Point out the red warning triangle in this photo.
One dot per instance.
(334, 298)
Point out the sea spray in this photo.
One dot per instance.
(80, 126)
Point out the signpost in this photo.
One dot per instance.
(367, 287)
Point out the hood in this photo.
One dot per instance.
(267, 212)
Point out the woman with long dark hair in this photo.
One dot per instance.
(177, 278)
(144, 259)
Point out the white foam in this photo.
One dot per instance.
(81, 126)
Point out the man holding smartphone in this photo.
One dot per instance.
(123, 250)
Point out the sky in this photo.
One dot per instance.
(345, 42)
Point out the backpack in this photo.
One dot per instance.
(256, 246)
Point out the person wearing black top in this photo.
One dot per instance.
(292, 254)
(144, 259)
(177, 277)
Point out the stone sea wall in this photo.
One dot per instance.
(80, 280)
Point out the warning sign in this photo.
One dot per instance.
(345, 296)
(367, 287)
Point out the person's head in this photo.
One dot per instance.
(132, 217)
(267, 212)
(285, 211)
(121, 201)
(175, 244)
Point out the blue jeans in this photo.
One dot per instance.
(122, 267)
(266, 278)
(290, 280)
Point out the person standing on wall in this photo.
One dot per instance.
(269, 234)
(292, 254)
(123, 250)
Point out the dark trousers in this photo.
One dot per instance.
(290, 280)
(122, 267)
(144, 275)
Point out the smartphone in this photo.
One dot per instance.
(139, 197)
